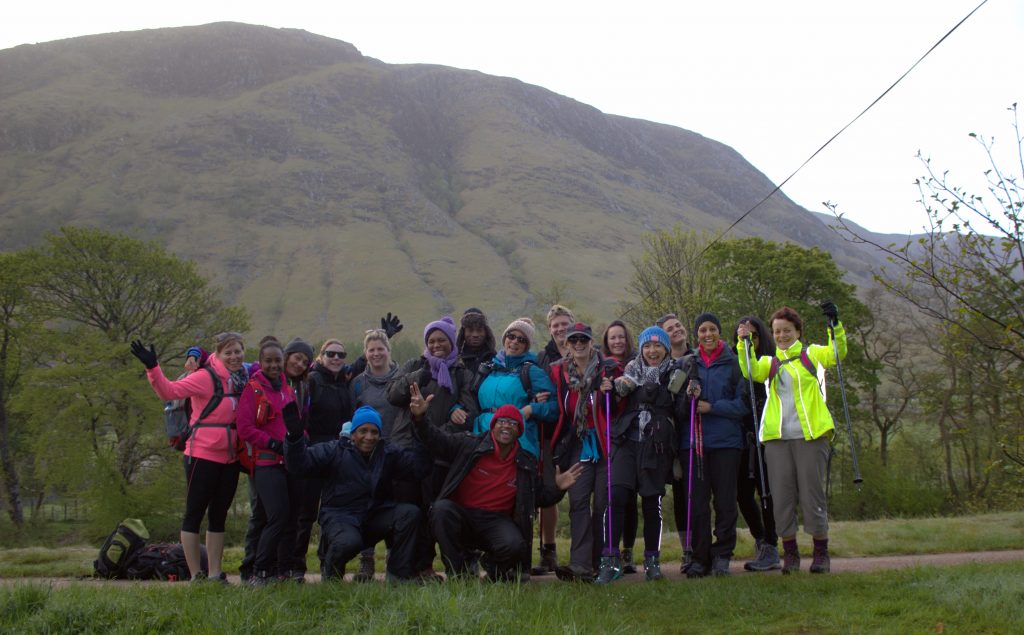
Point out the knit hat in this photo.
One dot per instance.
(299, 345)
(580, 328)
(364, 415)
(525, 326)
(706, 317)
(655, 334)
(473, 317)
(446, 325)
(508, 412)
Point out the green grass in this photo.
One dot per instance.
(969, 598)
(985, 532)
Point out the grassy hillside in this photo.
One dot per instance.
(320, 187)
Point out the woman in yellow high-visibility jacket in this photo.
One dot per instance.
(796, 429)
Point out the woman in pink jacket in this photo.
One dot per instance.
(211, 463)
(261, 426)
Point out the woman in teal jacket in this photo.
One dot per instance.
(504, 380)
(796, 429)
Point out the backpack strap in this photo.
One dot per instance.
(805, 361)
(524, 379)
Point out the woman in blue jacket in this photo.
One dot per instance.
(718, 444)
(513, 377)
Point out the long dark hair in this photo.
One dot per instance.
(629, 341)
(765, 343)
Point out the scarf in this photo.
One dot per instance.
(583, 386)
(709, 359)
(439, 367)
(640, 372)
(239, 379)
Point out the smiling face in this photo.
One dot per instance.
(271, 362)
(333, 357)
(378, 357)
(708, 336)
(474, 336)
(617, 342)
(654, 353)
(296, 364)
(579, 346)
(232, 356)
(365, 438)
(676, 332)
(438, 344)
(515, 343)
(505, 430)
(785, 333)
(558, 327)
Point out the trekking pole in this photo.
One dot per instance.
(608, 445)
(857, 480)
(765, 494)
(688, 548)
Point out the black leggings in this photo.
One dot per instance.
(279, 494)
(209, 490)
(760, 518)
(622, 498)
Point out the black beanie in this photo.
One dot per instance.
(706, 317)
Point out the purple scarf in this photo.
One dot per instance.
(439, 367)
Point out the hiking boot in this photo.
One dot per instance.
(222, 579)
(652, 569)
(259, 579)
(694, 569)
(548, 562)
(719, 567)
(767, 558)
(473, 563)
(627, 561)
(200, 577)
(574, 573)
(790, 561)
(821, 562)
(367, 567)
(610, 569)
(292, 575)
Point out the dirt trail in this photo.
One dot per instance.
(671, 569)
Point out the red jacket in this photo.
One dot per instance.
(273, 426)
(567, 403)
(214, 443)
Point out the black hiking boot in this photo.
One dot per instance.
(790, 561)
(548, 561)
(821, 562)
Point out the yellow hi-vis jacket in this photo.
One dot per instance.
(815, 419)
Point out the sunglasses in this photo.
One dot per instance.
(577, 339)
(516, 338)
(335, 354)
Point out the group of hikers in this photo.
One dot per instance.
(473, 443)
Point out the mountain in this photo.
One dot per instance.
(320, 187)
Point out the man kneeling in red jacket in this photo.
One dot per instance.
(489, 498)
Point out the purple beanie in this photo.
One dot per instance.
(446, 325)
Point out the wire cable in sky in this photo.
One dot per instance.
(818, 151)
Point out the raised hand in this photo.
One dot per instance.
(565, 480)
(391, 325)
(146, 355)
(417, 404)
(831, 311)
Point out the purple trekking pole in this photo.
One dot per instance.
(689, 480)
(608, 447)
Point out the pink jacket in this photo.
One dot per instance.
(273, 428)
(215, 443)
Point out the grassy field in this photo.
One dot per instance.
(969, 598)
(985, 532)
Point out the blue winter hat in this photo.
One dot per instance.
(365, 415)
(655, 334)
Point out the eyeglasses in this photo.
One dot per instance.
(516, 338)
(505, 421)
(577, 339)
(335, 354)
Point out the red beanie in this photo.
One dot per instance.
(509, 412)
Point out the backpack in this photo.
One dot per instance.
(247, 454)
(120, 549)
(163, 561)
(178, 412)
(805, 361)
(486, 368)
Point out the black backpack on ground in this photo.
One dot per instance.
(120, 548)
(163, 561)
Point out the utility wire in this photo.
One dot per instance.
(815, 153)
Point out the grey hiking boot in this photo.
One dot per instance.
(548, 561)
(367, 567)
(766, 558)
(694, 569)
(821, 562)
(652, 569)
(719, 567)
(627, 561)
(610, 569)
(790, 561)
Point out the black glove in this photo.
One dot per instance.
(831, 311)
(292, 420)
(391, 325)
(276, 446)
(146, 356)
(650, 389)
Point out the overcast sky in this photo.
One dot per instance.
(774, 80)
